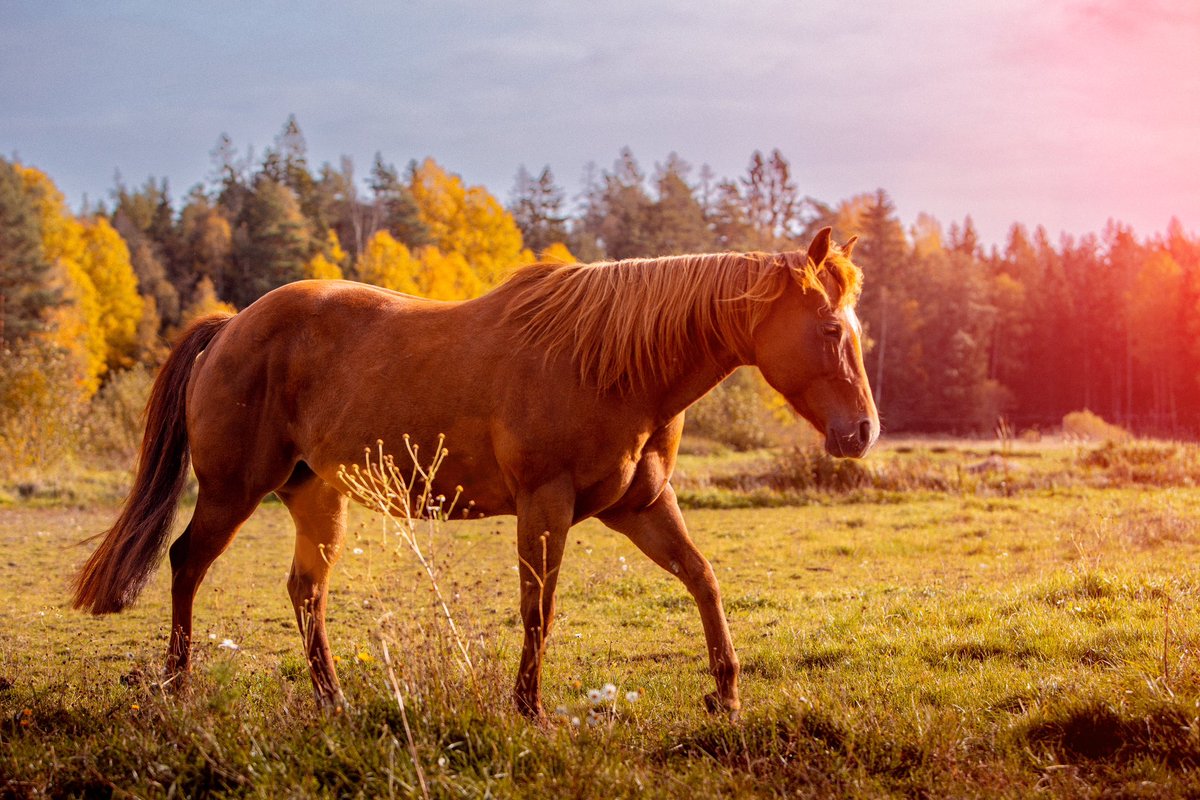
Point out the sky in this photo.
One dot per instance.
(1064, 114)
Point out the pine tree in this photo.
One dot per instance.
(271, 243)
(26, 295)
(678, 223)
(619, 213)
(888, 308)
(207, 250)
(772, 201)
(537, 208)
(395, 209)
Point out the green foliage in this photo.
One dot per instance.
(740, 413)
(537, 208)
(272, 241)
(26, 295)
(395, 209)
(956, 336)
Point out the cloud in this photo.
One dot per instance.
(1021, 110)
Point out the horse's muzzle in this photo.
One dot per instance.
(851, 440)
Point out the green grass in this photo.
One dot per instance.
(930, 644)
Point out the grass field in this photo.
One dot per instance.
(999, 637)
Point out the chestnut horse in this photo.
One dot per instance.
(560, 393)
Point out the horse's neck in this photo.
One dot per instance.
(694, 376)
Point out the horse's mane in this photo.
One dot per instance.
(625, 322)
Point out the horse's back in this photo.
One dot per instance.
(316, 370)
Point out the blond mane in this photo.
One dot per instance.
(625, 322)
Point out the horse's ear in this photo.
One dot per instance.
(848, 247)
(820, 246)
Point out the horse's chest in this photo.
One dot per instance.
(632, 483)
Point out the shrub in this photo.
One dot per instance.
(114, 425)
(42, 399)
(1092, 427)
(741, 413)
(1146, 463)
(809, 467)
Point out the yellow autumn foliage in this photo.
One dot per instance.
(469, 221)
(557, 253)
(326, 264)
(106, 262)
(204, 302)
(75, 325)
(388, 263)
(446, 276)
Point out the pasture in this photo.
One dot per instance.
(936, 630)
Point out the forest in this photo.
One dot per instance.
(961, 337)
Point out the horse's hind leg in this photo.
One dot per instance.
(319, 512)
(659, 532)
(215, 522)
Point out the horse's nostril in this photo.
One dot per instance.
(864, 431)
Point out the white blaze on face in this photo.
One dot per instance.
(849, 355)
(852, 321)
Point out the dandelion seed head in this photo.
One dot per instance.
(609, 692)
(229, 644)
(632, 697)
(595, 696)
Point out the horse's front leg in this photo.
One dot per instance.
(660, 533)
(543, 518)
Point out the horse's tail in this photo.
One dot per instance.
(115, 573)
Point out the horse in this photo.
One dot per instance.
(561, 394)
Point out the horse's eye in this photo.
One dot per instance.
(832, 329)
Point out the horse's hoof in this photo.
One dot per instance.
(715, 705)
(177, 682)
(333, 706)
(532, 711)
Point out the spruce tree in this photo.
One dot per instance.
(25, 296)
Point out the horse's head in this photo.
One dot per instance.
(808, 347)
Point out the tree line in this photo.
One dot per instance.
(959, 336)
